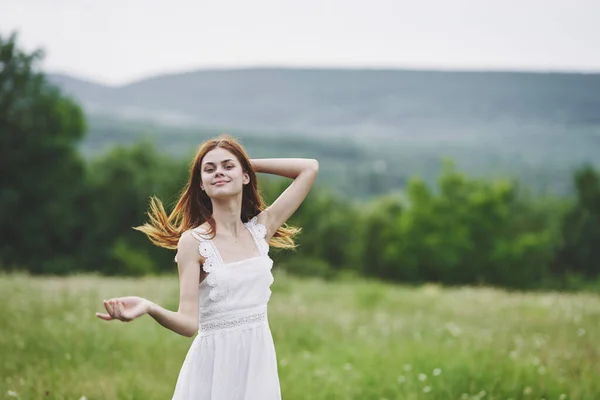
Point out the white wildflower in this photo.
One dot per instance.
(542, 370)
(453, 329)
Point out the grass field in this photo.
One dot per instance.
(344, 340)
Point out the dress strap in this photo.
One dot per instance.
(197, 233)
(213, 266)
(208, 250)
(258, 231)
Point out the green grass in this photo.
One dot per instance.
(344, 340)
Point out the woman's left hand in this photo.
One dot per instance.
(125, 308)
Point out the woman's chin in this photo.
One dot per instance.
(224, 193)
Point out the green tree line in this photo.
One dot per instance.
(61, 213)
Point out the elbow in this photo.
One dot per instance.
(190, 332)
(314, 166)
(191, 329)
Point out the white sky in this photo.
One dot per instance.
(119, 41)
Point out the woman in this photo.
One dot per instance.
(222, 232)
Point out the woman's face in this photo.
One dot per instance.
(222, 174)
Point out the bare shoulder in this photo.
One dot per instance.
(187, 248)
(186, 240)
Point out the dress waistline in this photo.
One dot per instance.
(233, 320)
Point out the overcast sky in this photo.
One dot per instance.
(119, 41)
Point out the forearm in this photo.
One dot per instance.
(175, 321)
(287, 167)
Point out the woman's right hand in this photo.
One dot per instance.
(125, 308)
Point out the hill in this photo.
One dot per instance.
(356, 102)
(537, 126)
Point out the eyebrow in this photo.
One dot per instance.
(222, 162)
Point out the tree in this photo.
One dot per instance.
(121, 182)
(41, 173)
(470, 231)
(579, 252)
(381, 237)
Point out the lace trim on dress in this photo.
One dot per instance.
(233, 322)
(213, 267)
(258, 231)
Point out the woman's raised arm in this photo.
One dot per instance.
(304, 173)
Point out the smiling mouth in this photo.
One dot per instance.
(220, 182)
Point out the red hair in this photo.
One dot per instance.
(194, 207)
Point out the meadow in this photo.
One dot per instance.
(351, 339)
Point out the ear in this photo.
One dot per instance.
(246, 178)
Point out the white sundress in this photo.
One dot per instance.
(233, 355)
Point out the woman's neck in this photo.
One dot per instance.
(227, 217)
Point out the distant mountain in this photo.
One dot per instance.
(382, 103)
(395, 123)
(83, 90)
